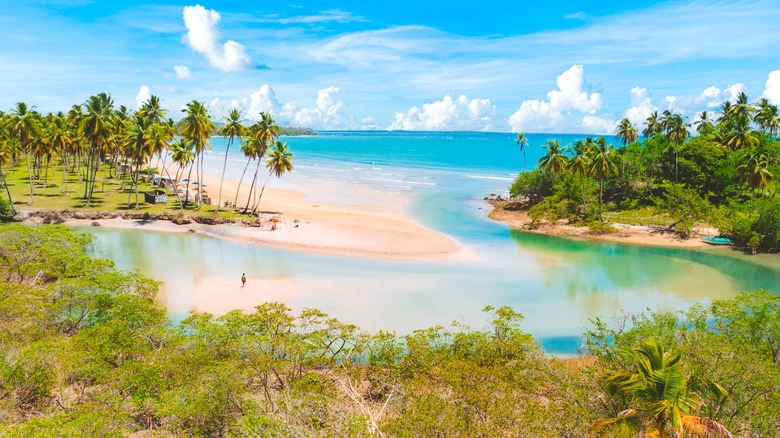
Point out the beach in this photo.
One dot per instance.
(632, 234)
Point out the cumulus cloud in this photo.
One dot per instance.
(448, 114)
(182, 72)
(203, 37)
(772, 91)
(328, 112)
(144, 93)
(557, 114)
(640, 106)
(711, 97)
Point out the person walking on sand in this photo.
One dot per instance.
(243, 280)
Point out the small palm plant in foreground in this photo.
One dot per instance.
(663, 401)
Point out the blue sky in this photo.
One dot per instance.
(557, 66)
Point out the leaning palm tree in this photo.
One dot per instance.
(602, 166)
(522, 141)
(767, 117)
(626, 132)
(555, 160)
(663, 400)
(279, 162)
(265, 131)
(198, 128)
(231, 129)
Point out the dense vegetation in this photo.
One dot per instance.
(723, 176)
(290, 131)
(87, 351)
(97, 140)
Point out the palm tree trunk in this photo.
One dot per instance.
(582, 186)
(29, 172)
(187, 190)
(222, 179)
(254, 209)
(137, 182)
(199, 172)
(178, 197)
(46, 174)
(251, 187)
(7, 190)
(238, 189)
(65, 174)
(601, 195)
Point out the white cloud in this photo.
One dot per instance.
(556, 114)
(640, 106)
(597, 125)
(448, 114)
(144, 93)
(182, 72)
(203, 37)
(327, 114)
(772, 91)
(263, 100)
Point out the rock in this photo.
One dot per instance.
(95, 224)
(181, 220)
(191, 231)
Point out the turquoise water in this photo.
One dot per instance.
(557, 284)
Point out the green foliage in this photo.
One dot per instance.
(535, 184)
(87, 351)
(685, 205)
(756, 226)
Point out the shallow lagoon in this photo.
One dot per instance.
(439, 180)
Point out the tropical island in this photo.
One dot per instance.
(721, 179)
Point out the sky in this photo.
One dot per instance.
(497, 65)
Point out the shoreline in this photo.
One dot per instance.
(628, 234)
(294, 221)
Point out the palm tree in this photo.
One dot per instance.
(737, 134)
(96, 127)
(677, 130)
(23, 124)
(7, 152)
(522, 141)
(62, 137)
(198, 128)
(602, 166)
(250, 150)
(579, 165)
(152, 110)
(138, 147)
(183, 155)
(231, 129)
(555, 160)
(279, 162)
(726, 112)
(704, 123)
(626, 132)
(767, 117)
(265, 132)
(755, 171)
(653, 126)
(658, 384)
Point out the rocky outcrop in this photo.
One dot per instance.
(60, 216)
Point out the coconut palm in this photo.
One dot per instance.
(62, 137)
(704, 123)
(231, 129)
(198, 128)
(152, 110)
(579, 165)
(23, 125)
(522, 141)
(653, 125)
(555, 160)
(677, 130)
(755, 171)
(726, 112)
(265, 132)
(737, 134)
(97, 127)
(664, 401)
(626, 132)
(602, 166)
(8, 150)
(767, 117)
(278, 163)
(249, 147)
(138, 147)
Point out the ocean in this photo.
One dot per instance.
(440, 179)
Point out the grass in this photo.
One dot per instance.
(109, 195)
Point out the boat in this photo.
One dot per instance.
(716, 240)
